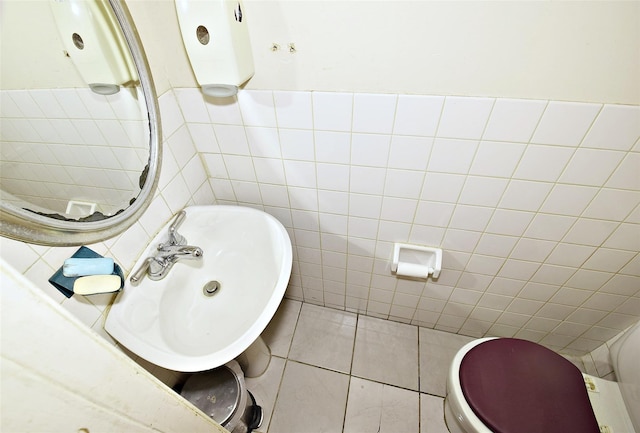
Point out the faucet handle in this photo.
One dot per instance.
(176, 238)
(178, 221)
(139, 274)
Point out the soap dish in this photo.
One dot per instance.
(65, 284)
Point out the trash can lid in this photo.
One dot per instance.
(215, 392)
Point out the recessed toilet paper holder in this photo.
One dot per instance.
(416, 261)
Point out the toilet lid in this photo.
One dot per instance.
(516, 386)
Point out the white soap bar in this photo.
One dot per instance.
(95, 284)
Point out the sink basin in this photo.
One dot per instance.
(174, 323)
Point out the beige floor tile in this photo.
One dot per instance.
(265, 388)
(279, 331)
(324, 338)
(382, 357)
(386, 352)
(377, 408)
(432, 414)
(311, 400)
(437, 349)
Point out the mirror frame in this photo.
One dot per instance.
(25, 226)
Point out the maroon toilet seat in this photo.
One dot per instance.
(516, 386)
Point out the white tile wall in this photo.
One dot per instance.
(534, 202)
(53, 148)
(183, 182)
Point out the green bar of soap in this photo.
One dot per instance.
(95, 284)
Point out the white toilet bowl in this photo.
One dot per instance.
(459, 416)
(605, 406)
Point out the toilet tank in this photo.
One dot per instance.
(625, 353)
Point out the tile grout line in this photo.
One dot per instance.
(416, 414)
(419, 384)
(284, 368)
(353, 350)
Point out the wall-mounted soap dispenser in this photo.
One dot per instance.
(216, 38)
(93, 40)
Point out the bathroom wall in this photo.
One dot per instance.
(555, 50)
(552, 50)
(598, 362)
(535, 204)
(37, 61)
(183, 181)
(536, 212)
(53, 147)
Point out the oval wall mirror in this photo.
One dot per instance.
(79, 133)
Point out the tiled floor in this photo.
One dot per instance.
(334, 371)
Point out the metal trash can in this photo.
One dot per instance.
(222, 394)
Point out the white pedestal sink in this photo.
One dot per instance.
(173, 323)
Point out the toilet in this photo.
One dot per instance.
(508, 385)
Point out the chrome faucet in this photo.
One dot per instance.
(175, 248)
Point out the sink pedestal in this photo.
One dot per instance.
(255, 360)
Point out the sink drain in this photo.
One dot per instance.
(211, 288)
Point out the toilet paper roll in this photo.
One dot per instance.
(412, 270)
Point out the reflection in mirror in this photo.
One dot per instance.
(66, 150)
(71, 165)
(79, 127)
